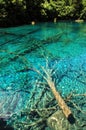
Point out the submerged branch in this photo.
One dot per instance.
(66, 110)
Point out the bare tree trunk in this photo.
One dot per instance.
(66, 110)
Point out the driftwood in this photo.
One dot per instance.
(65, 109)
(79, 20)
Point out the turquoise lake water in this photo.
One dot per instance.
(60, 47)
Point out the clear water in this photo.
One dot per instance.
(60, 46)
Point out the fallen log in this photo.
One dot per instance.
(65, 109)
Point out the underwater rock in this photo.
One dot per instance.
(58, 121)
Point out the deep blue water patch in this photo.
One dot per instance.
(60, 47)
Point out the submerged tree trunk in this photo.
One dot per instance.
(66, 110)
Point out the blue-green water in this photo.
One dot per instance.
(60, 47)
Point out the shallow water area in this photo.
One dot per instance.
(60, 47)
